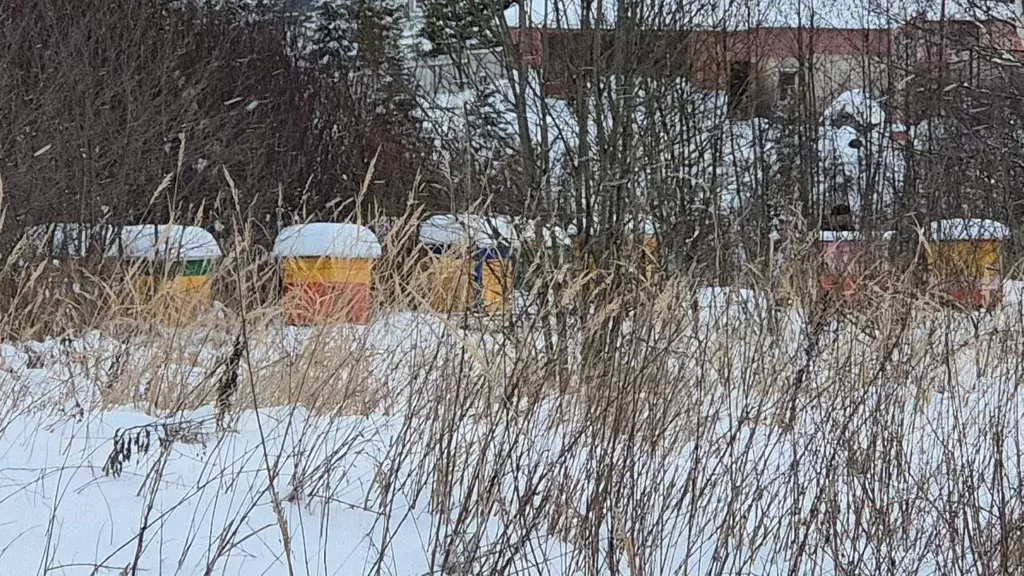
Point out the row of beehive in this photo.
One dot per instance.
(325, 270)
(327, 267)
(963, 256)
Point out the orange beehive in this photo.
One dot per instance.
(326, 273)
(840, 266)
(853, 264)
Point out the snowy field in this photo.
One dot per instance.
(707, 447)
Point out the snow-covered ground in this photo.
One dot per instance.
(889, 459)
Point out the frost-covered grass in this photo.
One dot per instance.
(701, 435)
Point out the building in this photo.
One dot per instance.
(764, 56)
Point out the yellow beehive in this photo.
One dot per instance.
(470, 262)
(965, 260)
(174, 285)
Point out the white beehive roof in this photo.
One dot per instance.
(331, 240)
(170, 241)
(968, 229)
(648, 228)
(468, 229)
(448, 229)
(72, 239)
(552, 236)
(839, 236)
(853, 236)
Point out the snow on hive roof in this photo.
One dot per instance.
(552, 235)
(750, 14)
(327, 239)
(72, 239)
(968, 229)
(481, 232)
(648, 226)
(500, 228)
(149, 241)
(839, 236)
(443, 230)
(853, 236)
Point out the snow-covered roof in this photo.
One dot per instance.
(852, 236)
(327, 239)
(552, 235)
(968, 229)
(478, 231)
(749, 14)
(443, 230)
(499, 228)
(839, 236)
(647, 225)
(69, 238)
(169, 241)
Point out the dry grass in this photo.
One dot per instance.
(615, 414)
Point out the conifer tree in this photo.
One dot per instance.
(475, 117)
(367, 103)
(453, 26)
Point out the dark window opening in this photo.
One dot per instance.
(556, 66)
(787, 87)
(739, 88)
